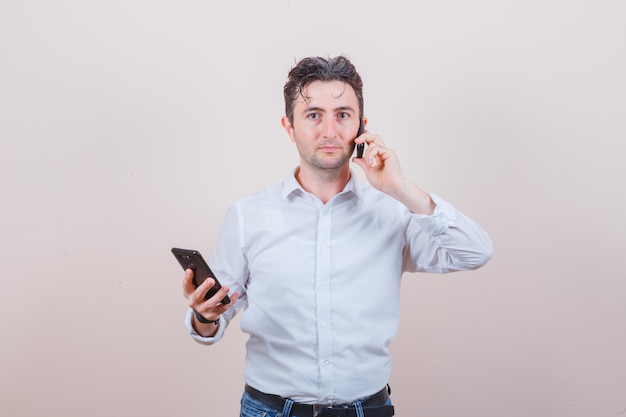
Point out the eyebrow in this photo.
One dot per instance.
(336, 109)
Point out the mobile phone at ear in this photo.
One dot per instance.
(360, 147)
(192, 259)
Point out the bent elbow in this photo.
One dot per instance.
(483, 255)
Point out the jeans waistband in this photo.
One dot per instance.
(373, 406)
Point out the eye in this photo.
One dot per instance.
(313, 116)
(343, 115)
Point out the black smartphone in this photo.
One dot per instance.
(361, 146)
(192, 259)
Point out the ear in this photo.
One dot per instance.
(288, 127)
(365, 122)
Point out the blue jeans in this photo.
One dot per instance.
(251, 407)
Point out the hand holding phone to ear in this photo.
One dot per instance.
(382, 169)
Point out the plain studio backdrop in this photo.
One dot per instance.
(128, 127)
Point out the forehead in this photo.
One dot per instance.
(330, 94)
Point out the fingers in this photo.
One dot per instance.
(196, 297)
(188, 287)
(193, 294)
(375, 153)
(210, 308)
(370, 139)
(211, 311)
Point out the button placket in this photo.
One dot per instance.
(323, 317)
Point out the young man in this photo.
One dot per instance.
(316, 261)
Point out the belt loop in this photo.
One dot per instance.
(359, 408)
(287, 408)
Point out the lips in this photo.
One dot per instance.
(329, 147)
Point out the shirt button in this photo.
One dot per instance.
(323, 286)
(326, 363)
(323, 248)
(324, 324)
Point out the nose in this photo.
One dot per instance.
(329, 128)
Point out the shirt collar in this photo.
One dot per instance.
(290, 185)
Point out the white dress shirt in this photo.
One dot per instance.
(320, 283)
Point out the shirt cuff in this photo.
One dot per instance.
(443, 217)
(202, 339)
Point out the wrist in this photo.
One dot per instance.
(414, 198)
(204, 320)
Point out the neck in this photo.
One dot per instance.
(324, 184)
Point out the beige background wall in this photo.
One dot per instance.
(128, 127)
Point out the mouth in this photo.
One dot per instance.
(329, 148)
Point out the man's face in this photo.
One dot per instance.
(325, 123)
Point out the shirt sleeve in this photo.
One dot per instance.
(231, 269)
(201, 339)
(445, 241)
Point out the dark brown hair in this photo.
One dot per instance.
(312, 69)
